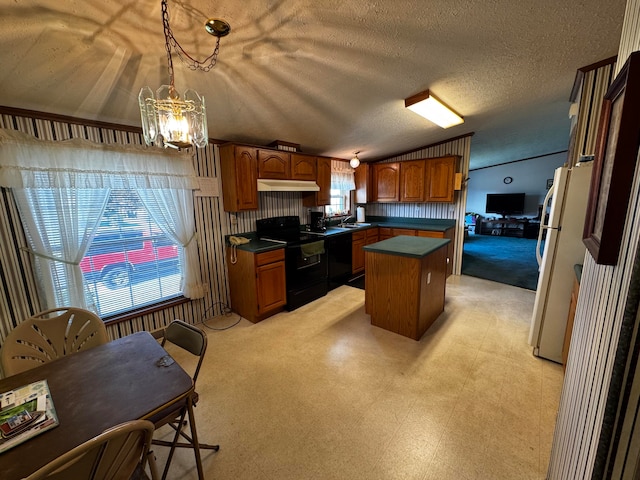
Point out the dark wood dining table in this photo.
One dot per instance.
(92, 390)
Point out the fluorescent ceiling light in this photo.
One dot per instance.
(428, 106)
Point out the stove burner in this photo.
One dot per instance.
(285, 230)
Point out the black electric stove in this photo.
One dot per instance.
(306, 262)
(285, 229)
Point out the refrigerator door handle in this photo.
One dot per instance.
(542, 226)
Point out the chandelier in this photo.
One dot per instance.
(167, 119)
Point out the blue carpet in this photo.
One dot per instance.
(507, 260)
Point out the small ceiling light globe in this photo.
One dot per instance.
(355, 161)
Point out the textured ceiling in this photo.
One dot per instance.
(329, 75)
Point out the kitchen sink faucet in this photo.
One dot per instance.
(344, 220)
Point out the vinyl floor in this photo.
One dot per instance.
(319, 393)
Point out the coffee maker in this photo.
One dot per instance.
(318, 223)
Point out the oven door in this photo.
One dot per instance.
(306, 275)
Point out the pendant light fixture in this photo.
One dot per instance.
(167, 119)
(355, 161)
(428, 106)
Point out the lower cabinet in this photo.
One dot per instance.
(386, 233)
(371, 235)
(257, 283)
(359, 240)
(403, 231)
(450, 234)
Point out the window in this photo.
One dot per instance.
(339, 202)
(130, 262)
(121, 215)
(342, 182)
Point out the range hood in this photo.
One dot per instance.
(266, 185)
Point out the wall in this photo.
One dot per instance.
(529, 177)
(596, 433)
(459, 146)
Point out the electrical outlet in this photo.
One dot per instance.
(233, 219)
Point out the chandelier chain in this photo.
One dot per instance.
(170, 42)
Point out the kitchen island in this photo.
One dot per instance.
(405, 284)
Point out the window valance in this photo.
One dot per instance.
(342, 176)
(27, 162)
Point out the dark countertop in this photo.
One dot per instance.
(258, 246)
(407, 246)
(431, 224)
(255, 245)
(435, 225)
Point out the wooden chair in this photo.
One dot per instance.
(193, 340)
(115, 454)
(49, 335)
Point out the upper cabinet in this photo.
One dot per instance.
(440, 179)
(386, 182)
(274, 164)
(303, 167)
(362, 178)
(323, 179)
(242, 165)
(412, 181)
(239, 170)
(425, 180)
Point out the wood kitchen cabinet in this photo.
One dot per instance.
(239, 171)
(386, 182)
(416, 181)
(362, 178)
(440, 179)
(358, 241)
(274, 164)
(405, 293)
(323, 179)
(450, 234)
(385, 233)
(257, 283)
(403, 231)
(303, 167)
(242, 165)
(412, 181)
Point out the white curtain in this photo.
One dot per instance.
(172, 210)
(26, 162)
(59, 234)
(342, 176)
(68, 170)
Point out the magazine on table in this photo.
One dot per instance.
(24, 413)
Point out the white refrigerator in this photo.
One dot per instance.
(563, 248)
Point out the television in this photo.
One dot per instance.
(505, 203)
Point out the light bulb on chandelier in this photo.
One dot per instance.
(167, 119)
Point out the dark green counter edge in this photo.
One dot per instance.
(407, 246)
(431, 224)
